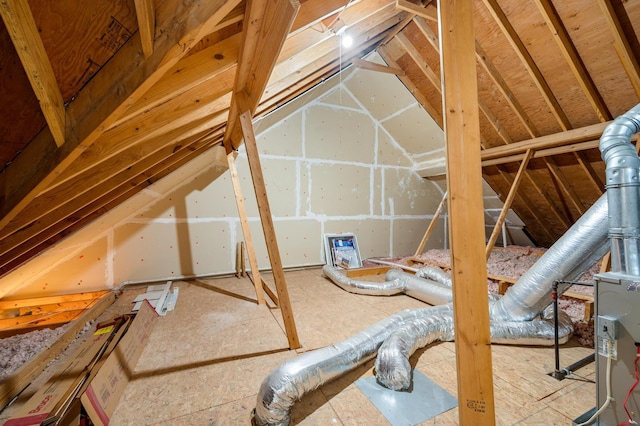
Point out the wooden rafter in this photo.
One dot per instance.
(372, 66)
(428, 12)
(547, 198)
(565, 185)
(84, 206)
(22, 28)
(120, 140)
(262, 40)
(573, 58)
(462, 133)
(435, 113)
(621, 45)
(145, 12)
(520, 49)
(121, 82)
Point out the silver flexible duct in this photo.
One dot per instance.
(388, 288)
(428, 291)
(304, 373)
(576, 251)
(623, 184)
(392, 366)
(436, 274)
(397, 282)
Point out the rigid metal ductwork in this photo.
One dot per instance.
(623, 183)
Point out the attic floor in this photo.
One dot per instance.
(205, 361)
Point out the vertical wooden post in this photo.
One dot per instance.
(269, 231)
(246, 230)
(508, 201)
(432, 225)
(464, 184)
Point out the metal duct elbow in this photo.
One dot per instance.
(623, 183)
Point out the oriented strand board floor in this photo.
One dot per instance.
(205, 361)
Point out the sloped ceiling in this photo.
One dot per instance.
(108, 96)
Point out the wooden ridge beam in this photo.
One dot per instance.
(24, 34)
(462, 133)
(120, 83)
(313, 11)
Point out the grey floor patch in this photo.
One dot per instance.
(422, 401)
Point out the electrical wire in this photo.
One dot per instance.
(633, 386)
(609, 398)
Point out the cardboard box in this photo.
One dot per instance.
(101, 397)
(42, 404)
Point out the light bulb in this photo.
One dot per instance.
(347, 41)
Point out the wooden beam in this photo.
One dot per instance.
(432, 225)
(428, 12)
(565, 185)
(507, 203)
(77, 207)
(119, 84)
(246, 229)
(24, 34)
(583, 134)
(145, 12)
(12, 385)
(435, 113)
(462, 132)
(621, 45)
(48, 300)
(528, 62)
(314, 11)
(592, 176)
(267, 25)
(568, 49)
(368, 65)
(267, 227)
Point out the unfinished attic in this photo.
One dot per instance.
(319, 212)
